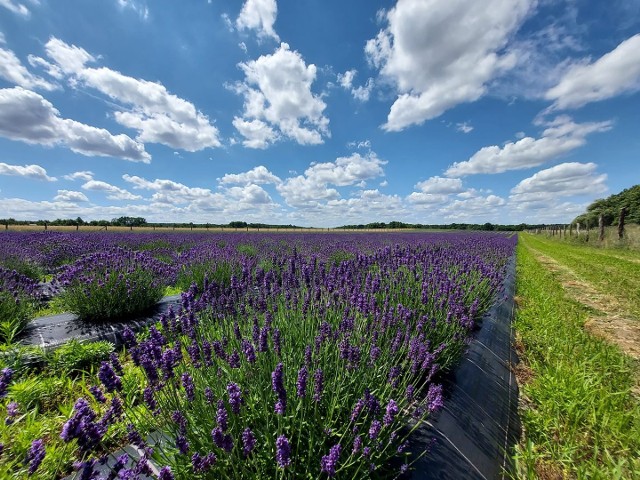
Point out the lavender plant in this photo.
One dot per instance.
(113, 284)
(309, 370)
(19, 297)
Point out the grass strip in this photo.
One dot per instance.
(604, 269)
(578, 412)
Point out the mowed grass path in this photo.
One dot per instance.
(580, 415)
(614, 272)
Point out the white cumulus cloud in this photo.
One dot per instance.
(70, 196)
(12, 70)
(439, 54)
(561, 136)
(28, 117)
(148, 107)
(257, 175)
(29, 171)
(113, 192)
(614, 73)
(279, 101)
(259, 15)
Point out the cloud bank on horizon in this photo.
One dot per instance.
(317, 114)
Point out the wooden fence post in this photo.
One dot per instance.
(601, 227)
(623, 213)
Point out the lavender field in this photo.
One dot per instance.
(289, 356)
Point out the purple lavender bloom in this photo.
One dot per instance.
(307, 355)
(109, 378)
(202, 464)
(394, 376)
(410, 392)
(134, 437)
(115, 361)
(209, 396)
(235, 397)
(218, 349)
(182, 444)
(357, 445)
(119, 464)
(277, 341)
(277, 383)
(5, 380)
(189, 387)
(357, 409)
(179, 419)
(221, 440)
(35, 455)
(301, 385)
(374, 430)
(234, 359)
(149, 399)
(283, 452)
(194, 353)
(129, 338)
(165, 474)
(434, 398)
(221, 416)
(12, 412)
(97, 394)
(318, 386)
(207, 353)
(83, 427)
(280, 406)
(392, 411)
(329, 462)
(248, 441)
(249, 351)
(113, 413)
(374, 354)
(262, 339)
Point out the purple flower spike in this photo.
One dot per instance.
(392, 411)
(434, 398)
(108, 377)
(165, 474)
(5, 380)
(248, 441)
(221, 416)
(374, 430)
(35, 455)
(329, 462)
(235, 397)
(283, 452)
(12, 412)
(277, 383)
(301, 385)
(97, 394)
(189, 387)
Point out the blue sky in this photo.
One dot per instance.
(317, 112)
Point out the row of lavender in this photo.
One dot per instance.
(307, 358)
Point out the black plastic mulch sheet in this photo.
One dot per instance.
(472, 436)
(54, 330)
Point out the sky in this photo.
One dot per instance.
(317, 112)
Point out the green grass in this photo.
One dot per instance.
(614, 272)
(581, 419)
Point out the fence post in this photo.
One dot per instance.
(601, 227)
(623, 213)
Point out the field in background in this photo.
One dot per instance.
(578, 338)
